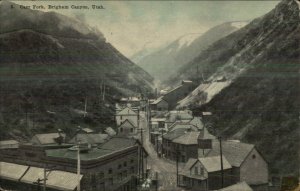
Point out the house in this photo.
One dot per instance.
(48, 138)
(9, 144)
(156, 128)
(205, 173)
(127, 129)
(159, 104)
(241, 186)
(181, 142)
(127, 113)
(178, 93)
(247, 163)
(178, 116)
(90, 139)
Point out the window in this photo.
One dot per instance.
(132, 170)
(110, 171)
(111, 181)
(196, 170)
(125, 163)
(93, 179)
(120, 176)
(119, 166)
(121, 117)
(125, 174)
(202, 171)
(253, 156)
(131, 130)
(100, 175)
(131, 161)
(121, 129)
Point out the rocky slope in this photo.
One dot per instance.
(257, 97)
(165, 62)
(50, 64)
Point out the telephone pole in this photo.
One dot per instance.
(221, 158)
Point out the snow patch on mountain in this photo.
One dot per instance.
(239, 24)
(187, 40)
(204, 93)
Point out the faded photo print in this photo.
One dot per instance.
(149, 95)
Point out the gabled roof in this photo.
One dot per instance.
(235, 152)
(241, 186)
(158, 100)
(173, 116)
(110, 131)
(9, 144)
(213, 164)
(204, 134)
(47, 138)
(188, 138)
(196, 121)
(90, 138)
(117, 143)
(188, 165)
(87, 130)
(174, 134)
(186, 126)
(127, 124)
(127, 111)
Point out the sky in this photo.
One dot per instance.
(132, 26)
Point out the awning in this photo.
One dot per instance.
(32, 175)
(11, 171)
(62, 180)
(56, 179)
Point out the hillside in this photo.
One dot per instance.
(165, 62)
(257, 100)
(50, 64)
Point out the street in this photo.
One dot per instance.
(166, 169)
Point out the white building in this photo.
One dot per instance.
(127, 114)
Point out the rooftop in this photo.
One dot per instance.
(90, 138)
(126, 111)
(188, 138)
(59, 180)
(47, 138)
(235, 152)
(110, 131)
(158, 100)
(213, 164)
(241, 186)
(113, 145)
(117, 143)
(9, 144)
(127, 123)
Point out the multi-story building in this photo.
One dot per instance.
(114, 165)
(129, 114)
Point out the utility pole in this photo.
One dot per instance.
(45, 179)
(221, 157)
(78, 166)
(85, 105)
(177, 158)
(162, 147)
(141, 152)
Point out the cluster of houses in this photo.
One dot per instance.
(114, 160)
(209, 163)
